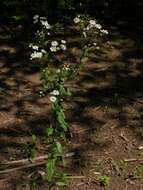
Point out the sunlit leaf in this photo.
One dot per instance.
(50, 169)
(59, 147)
(61, 184)
(49, 131)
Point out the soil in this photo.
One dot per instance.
(105, 115)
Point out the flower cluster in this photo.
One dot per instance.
(36, 55)
(77, 19)
(43, 21)
(104, 31)
(34, 47)
(37, 52)
(66, 68)
(89, 25)
(56, 46)
(94, 24)
(54, 93)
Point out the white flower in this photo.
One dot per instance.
(97, 47)
(55, 92)
(35, 21)
(43, 51)
(95, 44)
(87, 28)
(54, 43)
(41, 93)
(35, 47)
(98, 26)
(46, 24)
(58, 71)
(53, 99)
(63, 42)
(36, 55)
(92, 22)
(48, 33)
(76, 20)
(30, 45)
(35, 17)
(63, 47)
(104, 31)
(43, 18)
(53, 48)
(67, 68)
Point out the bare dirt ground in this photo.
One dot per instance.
(105, 115)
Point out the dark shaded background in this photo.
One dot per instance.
(113, 9)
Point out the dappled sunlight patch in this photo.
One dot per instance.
(8, 49)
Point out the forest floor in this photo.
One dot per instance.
(105, 115)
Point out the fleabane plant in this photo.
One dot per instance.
(90, 31)
(54, 76)
(87, 24)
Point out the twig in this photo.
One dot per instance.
(22, 167)
(133, 99)
(36, 162)
(24, 161)
(133, 159)
(76, 177)
(123, 137)
(140, 147)
(97, 173)
(115, 166)
(27, 161)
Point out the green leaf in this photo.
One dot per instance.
(33, 154)
(50, 169)
(17, 18)
(61, 120)
(49, 131)
(65, 92)
(60, 183)
(69, 94)
(34, 139)
(59, 147)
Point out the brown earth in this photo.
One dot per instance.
(105, 115)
